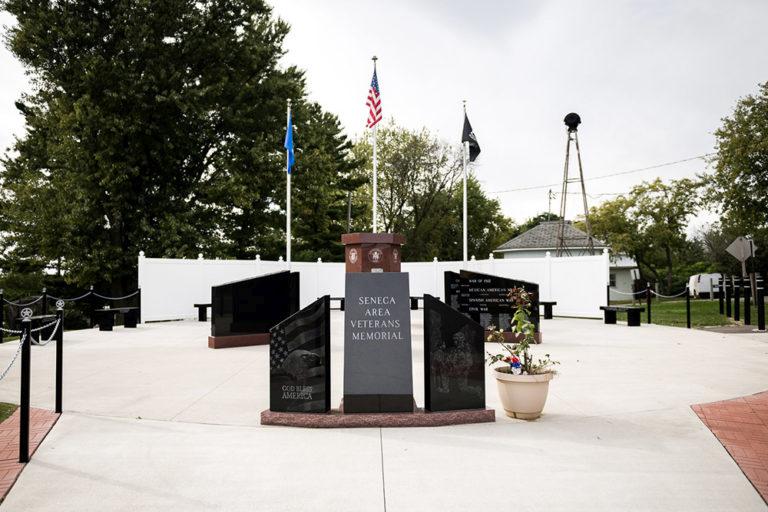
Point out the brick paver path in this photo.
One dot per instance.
(40, 423)
(741, 425)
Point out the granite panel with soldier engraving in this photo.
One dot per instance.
(454, 359)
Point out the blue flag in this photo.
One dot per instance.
(289, 144)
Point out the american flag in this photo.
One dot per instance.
(373, 102)
(301, 331)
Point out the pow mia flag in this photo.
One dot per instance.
(467, 135)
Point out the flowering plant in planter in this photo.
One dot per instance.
(518, 355)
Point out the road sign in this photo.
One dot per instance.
(742, 248)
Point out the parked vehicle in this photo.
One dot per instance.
(703, 286)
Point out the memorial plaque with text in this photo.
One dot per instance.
(454, 359)
(377, 343)
(300, 360)
(484, 298)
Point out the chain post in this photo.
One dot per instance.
(728, 290)
(44, 309)
(761, 308)
(737, 299)
(92, 307)
(648, 300)
(747, 302)
(59, 353)
(688, 307)
(720, 295)
(26, 336)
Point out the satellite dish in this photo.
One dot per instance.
(572, 121)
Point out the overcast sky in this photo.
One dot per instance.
(650, 79)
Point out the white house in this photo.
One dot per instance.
(539, 240)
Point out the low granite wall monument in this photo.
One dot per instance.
(483, 298)
(242, 312)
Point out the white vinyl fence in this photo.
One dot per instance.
(170, 287)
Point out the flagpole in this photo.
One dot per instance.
(375, 171)
(288, 192)
(464, 151)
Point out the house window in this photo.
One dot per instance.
(612, 279)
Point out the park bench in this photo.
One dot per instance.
(548, 308)
(106, 317)
(415, 302)
(202, 312)
(633, 314)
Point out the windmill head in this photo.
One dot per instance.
(572, 121)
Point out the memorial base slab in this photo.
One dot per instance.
(240, 340)
(337, 419)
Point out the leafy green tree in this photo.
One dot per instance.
(156, 126)
(538, 219)
(649, 224)
(488, 227)
(739, 183)
(420, 195)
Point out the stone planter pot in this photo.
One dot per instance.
(522, 396)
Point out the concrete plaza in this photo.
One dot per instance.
(154, 420)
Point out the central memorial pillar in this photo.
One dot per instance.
(378, 373)
(372, 252)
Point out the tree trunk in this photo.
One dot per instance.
(668, 253)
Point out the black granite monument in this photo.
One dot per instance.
(244, 311)
(300, 360)
(454, 359)
(377, 343)
(484, 298)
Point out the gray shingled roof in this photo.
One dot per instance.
(544, 236)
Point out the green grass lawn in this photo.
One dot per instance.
(704, 313)
(6, 410)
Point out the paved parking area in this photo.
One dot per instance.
(154, 420)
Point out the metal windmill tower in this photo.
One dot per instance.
(572, 122)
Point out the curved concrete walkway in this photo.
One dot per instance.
(154, 420)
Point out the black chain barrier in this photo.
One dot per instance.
(92, 297)
(25, 351)
(736, 296)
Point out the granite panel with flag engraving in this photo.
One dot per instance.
(300, 360)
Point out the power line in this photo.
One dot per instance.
(610, 175)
